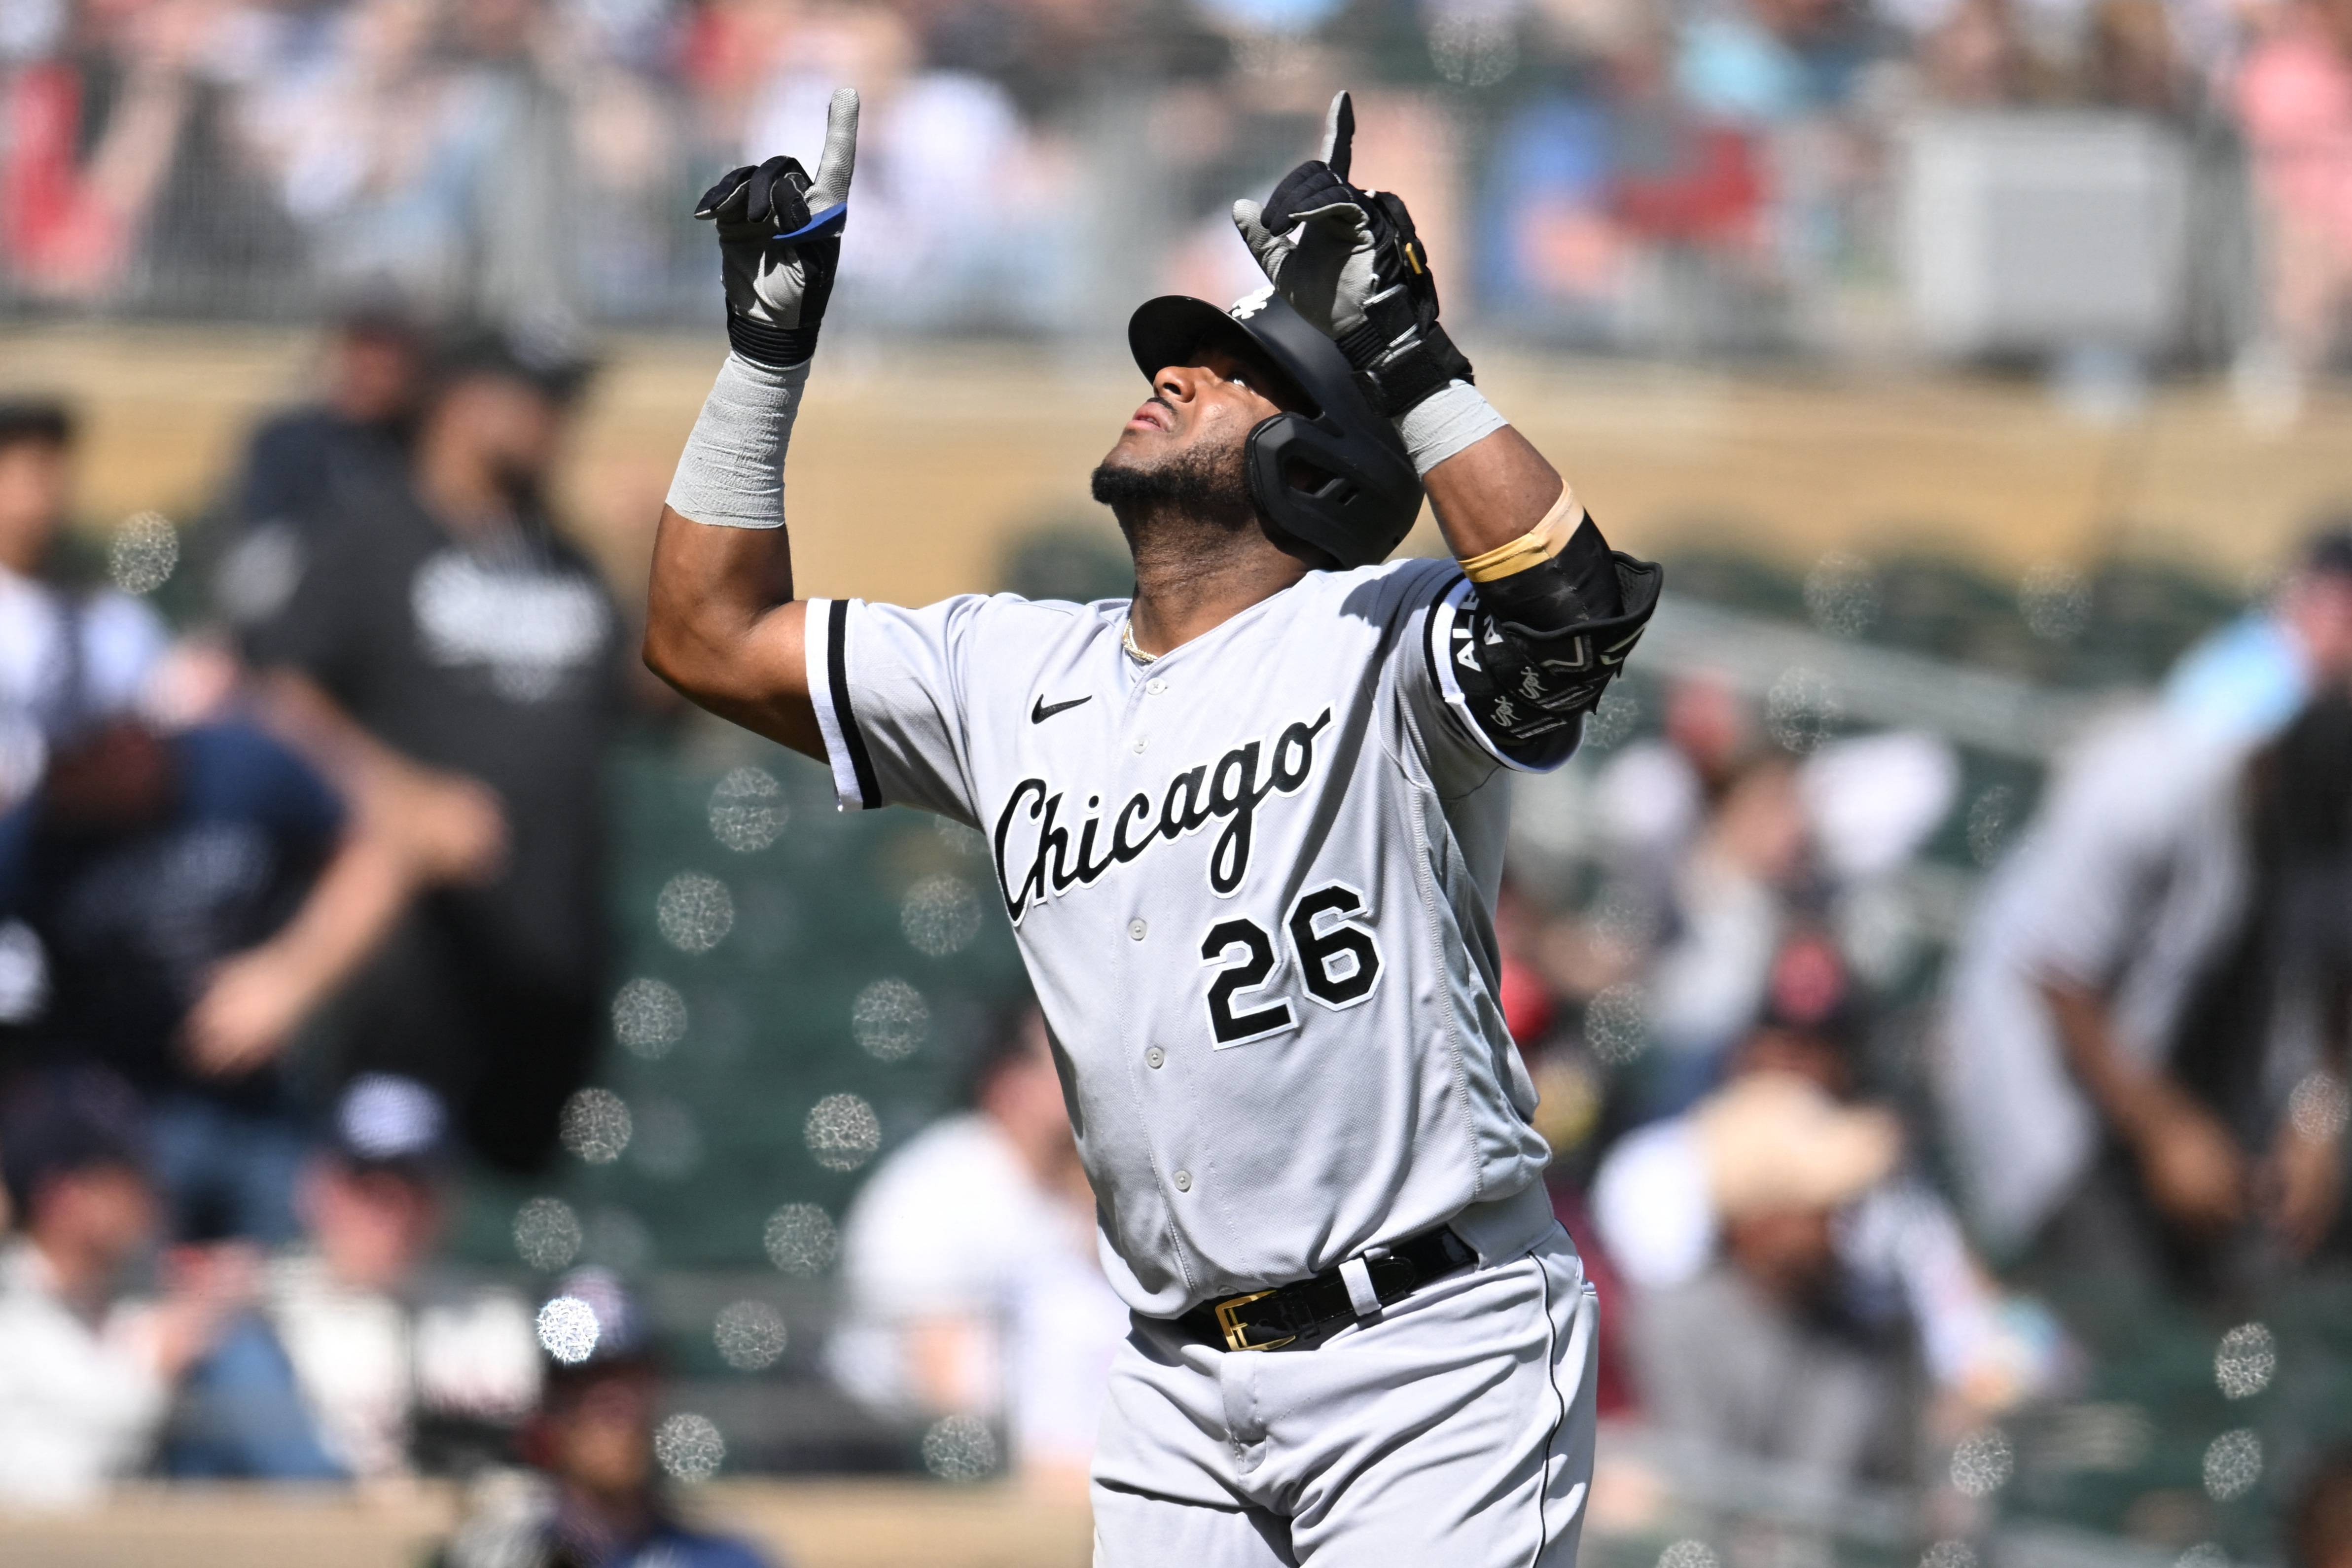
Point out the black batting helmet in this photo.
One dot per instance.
(1335, 475)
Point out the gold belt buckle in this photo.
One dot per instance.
(1236, 1334)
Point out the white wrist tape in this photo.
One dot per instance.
(731, 473)
(1455, 416)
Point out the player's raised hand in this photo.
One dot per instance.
(780, 241)
(1349, 261)
(1313, 236)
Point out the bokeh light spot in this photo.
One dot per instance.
(648, 1019)
(748, 810)
(1982, 1462)
(568, 1329)
(2319, 1107)
(960, 1448)
(1841, 595)
(940, 916)
(801, 1240)
(1802, 709)
(842, 1131)
(2244, 1363)
(751, 1335)
(967, 842)
(689, 1447)
(695, 911)
(595, 1125)
(1474, 45)
(1616, 1026)
(145, 553)
(891, 1019)
(1949, 1554)
(2233, 1463)
(1614, 722)
(546, 1234)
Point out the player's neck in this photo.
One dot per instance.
(1192, 578)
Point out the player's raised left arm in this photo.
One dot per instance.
(722, 621)
(1564, 608)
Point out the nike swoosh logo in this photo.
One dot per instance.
(1041, 712)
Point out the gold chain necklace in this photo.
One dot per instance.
(1127, 641)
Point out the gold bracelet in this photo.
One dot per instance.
(1533, 548)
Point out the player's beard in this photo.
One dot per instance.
(1196, 490)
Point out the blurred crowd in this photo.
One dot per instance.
(1692, 174)
(1854, 1211)
(301, 905)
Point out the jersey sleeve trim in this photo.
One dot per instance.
(844, 744)
(1448, 616)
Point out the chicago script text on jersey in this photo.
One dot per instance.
(1229, 790)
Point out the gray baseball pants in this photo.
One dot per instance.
(1456, 1428)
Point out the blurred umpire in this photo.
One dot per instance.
(455, 662)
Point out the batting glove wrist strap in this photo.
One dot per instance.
(1400, 374)
(731, 474)
(775, 346)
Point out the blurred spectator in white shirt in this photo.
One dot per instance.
(969, 1259)
(364, 1361)
(85, 1375)
(1782, 1264)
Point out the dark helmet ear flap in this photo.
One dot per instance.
(1335, 474)
(1350, 499)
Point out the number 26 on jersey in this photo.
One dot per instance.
(1329, 946)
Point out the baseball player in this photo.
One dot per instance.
(1247, 827)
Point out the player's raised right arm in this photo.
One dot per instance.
(722, 626)
(721, 623)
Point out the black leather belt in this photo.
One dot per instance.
(1304, 1313)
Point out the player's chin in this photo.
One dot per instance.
(1138, 449)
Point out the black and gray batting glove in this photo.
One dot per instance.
(1349, 260)
(780, 241)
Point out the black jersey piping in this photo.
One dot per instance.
(836, 672)
(1429, 656)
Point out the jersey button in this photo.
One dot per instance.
(1155, 686)
(1183, 1181)
(1142, 742)
(1155, 1055)
(1136, 930)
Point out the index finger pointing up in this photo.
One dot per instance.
(1338, 134)
(835, 170)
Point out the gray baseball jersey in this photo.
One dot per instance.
(1252, 882)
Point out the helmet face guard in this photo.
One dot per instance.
(1334, 474)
